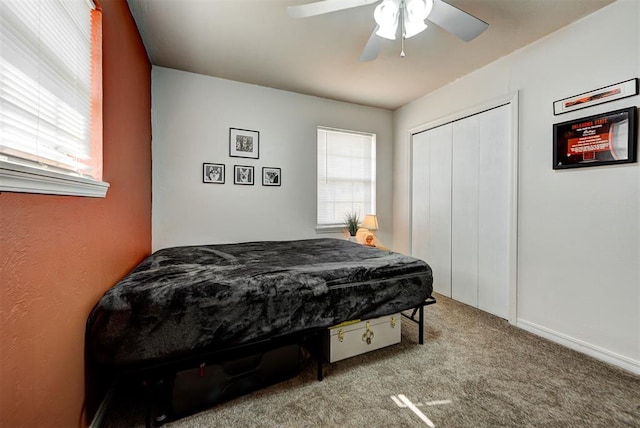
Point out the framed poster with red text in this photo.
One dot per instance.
(602, 139)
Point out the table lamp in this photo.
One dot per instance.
(369, 223)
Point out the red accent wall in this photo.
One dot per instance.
(59, 254)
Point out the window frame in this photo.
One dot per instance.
(25, 176)
(339, 227)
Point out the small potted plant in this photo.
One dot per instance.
(351, 221)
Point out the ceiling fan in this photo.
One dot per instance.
(408, 14)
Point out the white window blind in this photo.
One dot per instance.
(45, 84)
(346, 175)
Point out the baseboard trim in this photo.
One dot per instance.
(594, 351)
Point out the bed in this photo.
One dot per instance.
(187, 300)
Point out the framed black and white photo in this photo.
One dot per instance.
(271, 176)
(243, 174)
(213, 173)
(244, 143)
(603, 139)
(609, 93)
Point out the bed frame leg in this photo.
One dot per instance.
(421, 326)
(320, 374)
(148, 398)
(319, 354)
(420, 321)
(156, 396)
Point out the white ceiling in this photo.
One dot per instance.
(255, 41)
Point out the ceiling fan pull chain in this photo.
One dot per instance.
(402, 33)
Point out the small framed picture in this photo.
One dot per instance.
(243, 174)
(271, 176)
(213, 173)
(244, 143)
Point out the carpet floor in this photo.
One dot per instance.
(474, 370)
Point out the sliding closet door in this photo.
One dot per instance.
(461, 207)
(431, 203)
(480, 211)
(464, 211)
(440, 208)
(493, 211)
(420, 180)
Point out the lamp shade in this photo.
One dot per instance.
(370, 222)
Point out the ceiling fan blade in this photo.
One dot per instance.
(371, 49)
(325, 6)
(456, 21)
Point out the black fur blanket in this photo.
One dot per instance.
(185, 299)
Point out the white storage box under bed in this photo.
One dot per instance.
(354, 338)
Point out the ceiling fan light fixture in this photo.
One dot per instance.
(414, 14)
(413, 28)
(386, 16)
(417, 10)
(388, 32)
(409, 14)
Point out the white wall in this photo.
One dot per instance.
(191, 117)
(578, 229)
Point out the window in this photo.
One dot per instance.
(346, 176)
(50, 90)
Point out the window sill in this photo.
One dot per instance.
(27, 179)
(329, 229)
